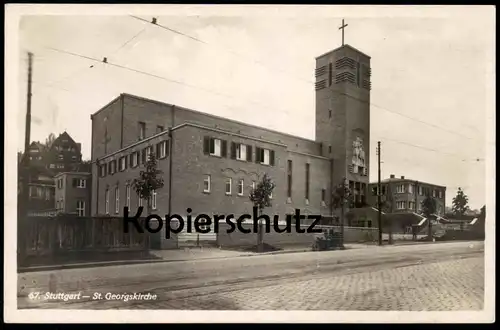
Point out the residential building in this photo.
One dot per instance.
(403, 195)
(72, 193)
(210, 163)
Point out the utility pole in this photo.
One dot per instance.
(25, 171)
(379, 203)
(26, 159)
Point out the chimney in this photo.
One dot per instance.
(402, 177)
(392, 176)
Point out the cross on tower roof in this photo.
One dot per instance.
(342, 28)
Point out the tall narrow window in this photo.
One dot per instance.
(228, 186)
(127, 194)
(253, 185)
(107, 201)
(142, 130)
(358, 74)
(307, 180)
(80, 208)
(206, 184)
(153, 200)
(323, 194)
(139, 201)
(117, 200)
(330, 74)
(240, 187)
(289, 181)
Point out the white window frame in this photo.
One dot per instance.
(208, 181)
(434, 193)
(267, 157)
(420, 190)
(402, 204)
(123, 163)
(80, 208)
(410, 188)
(163, 149)
(217, 148)
(117, 200)
(82, 183)
(135, 159)
(230, 182)
(127, 194)
(241, 187)
(440, 194)
(148, 152)
(139, 201)
(241, 151)
(400, 188)
(153, 199)
(253, 185)
(107, 201)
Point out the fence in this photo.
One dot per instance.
(48, 235)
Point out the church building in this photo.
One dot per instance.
(210, 163)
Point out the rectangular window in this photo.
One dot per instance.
(127, 194)
(153, 200)
(264, 156)
(411, 205)
(433, 192)
(117, 200)
(123, 163)
(61, 157)
(82, 183)
(215, 147)
(323, 195)
(253, 185)
(358, 74)
(134, 159)
(401, 205)
(420, 191)
(80, 208)
(142, 130)
(330, 74)
(102, 170)
(400, 188)
(440, 194)
(47, 194)
(107, 201)
(307, 180)
(148, 153)
(139, 201)
(240, 187)
(289, 181)
(206, 184)
(162, 149)
(241, 152)
(410, 188)
(228, 186)
(329, 149)
(159, 129)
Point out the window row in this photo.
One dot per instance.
(116, 198)
(134, 159)
(239, 151)
(228, 186)
(40, 192)
(422, 191)
(142, 130)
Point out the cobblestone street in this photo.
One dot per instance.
(441, 277)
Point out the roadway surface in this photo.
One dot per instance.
(427, 277)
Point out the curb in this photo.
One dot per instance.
(138, 262)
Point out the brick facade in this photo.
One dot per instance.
(130, 123)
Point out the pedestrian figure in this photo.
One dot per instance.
(414, 230)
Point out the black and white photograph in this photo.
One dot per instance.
(249, 163)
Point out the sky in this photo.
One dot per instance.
(430, 76)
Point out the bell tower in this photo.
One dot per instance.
(343, 115)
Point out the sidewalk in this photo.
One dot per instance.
(190, 254)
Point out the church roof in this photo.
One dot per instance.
(344, 46)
